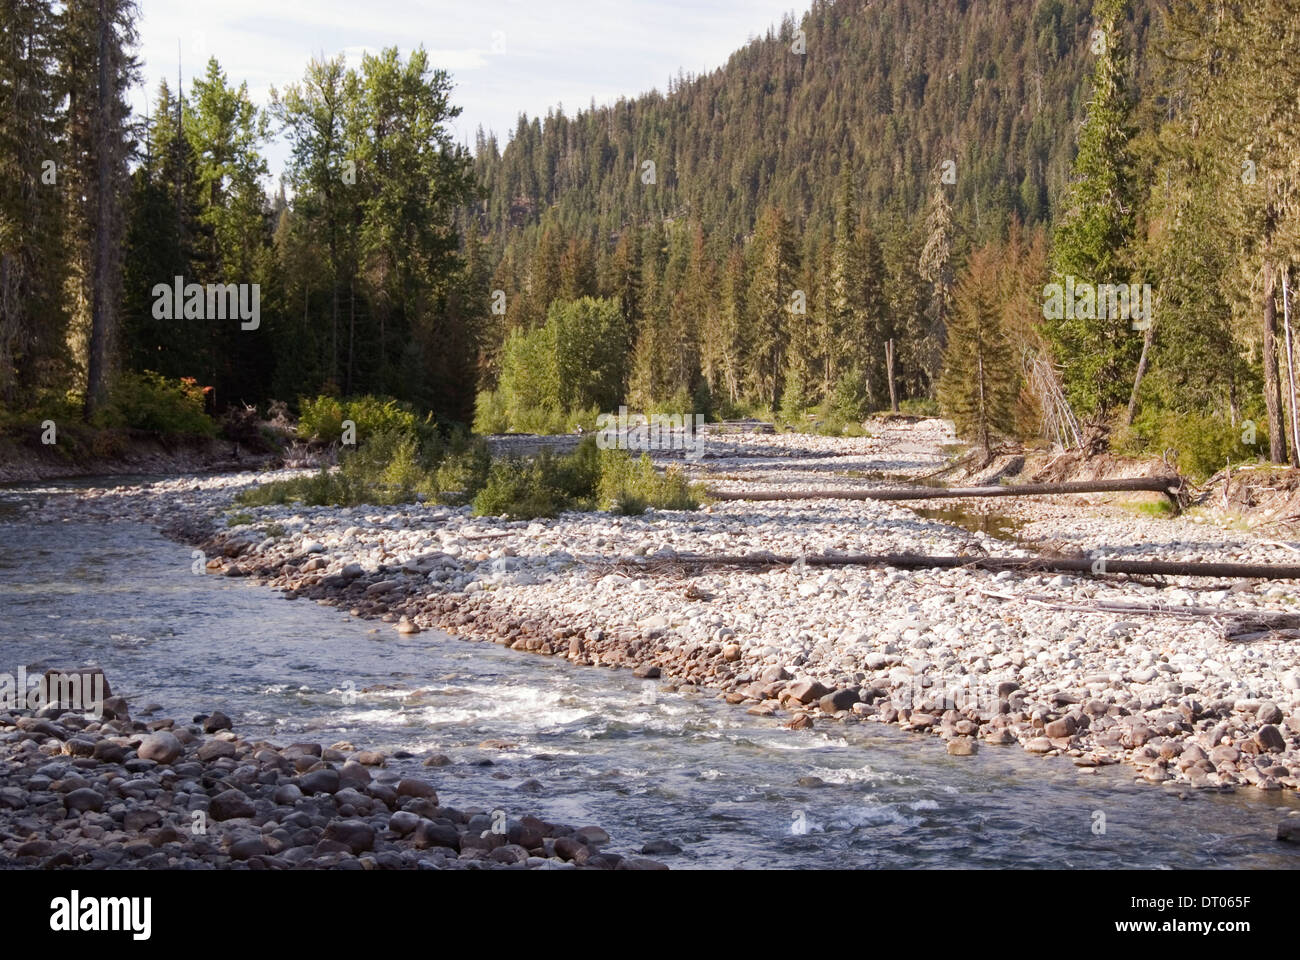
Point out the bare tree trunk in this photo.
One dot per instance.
(1290, 371)
(101, 306)
(1272, 382)
(1141, 370)
(889, 373)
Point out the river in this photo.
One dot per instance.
(590, 745)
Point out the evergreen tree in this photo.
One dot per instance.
(769, 303)
(978, 387)
(96, 70)
(936, 268)
(1092, 240)
(33, 252)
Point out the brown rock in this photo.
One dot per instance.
(1270, 739)
(806, 691)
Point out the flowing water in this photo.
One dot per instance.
(729, 789)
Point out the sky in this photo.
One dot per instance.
(505, 56)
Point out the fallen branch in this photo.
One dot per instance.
(1252, 636)
(1083, 565)
(1275, 618)
(1170, 486)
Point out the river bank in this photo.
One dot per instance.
(111, 792)
(976, 658)
(119, 453)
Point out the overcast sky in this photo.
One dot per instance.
(505, 56)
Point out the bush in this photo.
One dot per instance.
(464, 470)
(397, 458)
(744, 410)
(852, 400)
(148, 401)
(626, 482)
(546, 419)
(589, 478)
(322, 419)
(490, 413)
(795, 400)
(521, 490)
(1202, 444)
(919, 407)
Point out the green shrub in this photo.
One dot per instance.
(546, 419)
(589, 478)
(490, 413)
(851, 400)
(463, 471)
(148, 401)
(795, 400)
(919, 407)
(322, 419)
(832, 426)
(624, 480)
(521, 490)
(1201, 444)
(393, 466)
(629, 505)
(561, 374)
(743, 409)
(583, 418)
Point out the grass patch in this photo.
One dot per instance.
(1153, 508)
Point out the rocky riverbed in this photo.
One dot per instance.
(1018, 660)
(81, 791)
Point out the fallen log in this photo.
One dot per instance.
(1238, 625)
(1256, 635)
(1170, 486)
(1084, 565)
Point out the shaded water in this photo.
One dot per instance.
(729, 789)
(1000, 526)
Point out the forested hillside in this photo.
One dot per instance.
(841, 121)
(866, 207)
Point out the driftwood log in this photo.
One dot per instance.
(1237, 625)
(1084, 565)
(1170, 486)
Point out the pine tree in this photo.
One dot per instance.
(163, 213)
(768, 303)
(846, 320)
(97, 70)
(726, 343)
(1092, 240)
(33, 251)
(979, 385)
(936, 269)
